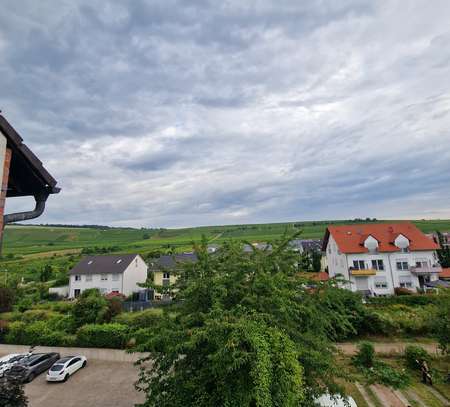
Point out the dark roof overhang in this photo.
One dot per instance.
(27, 175)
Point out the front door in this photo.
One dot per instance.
(76, 292)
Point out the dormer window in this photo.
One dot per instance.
(118, 261)
(402, 242)
(90, 262)
(371, 244)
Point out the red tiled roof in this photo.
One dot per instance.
(350, 238)
(445, 273)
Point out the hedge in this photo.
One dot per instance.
(102, 335)
(410, 300)
(140, 319)
(36, 333)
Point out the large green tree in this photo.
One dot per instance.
(247, 332)
(444, 252)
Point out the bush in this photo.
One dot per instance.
(365, 356)
(140, 319)
(102, 336)
(16, 333)
(6, 299)
(36, 333)
(387, 375)
(91, 307)
(140, 337)
(441, 324)
(414, 354)
(410, 300)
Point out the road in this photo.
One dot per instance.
(99, 384)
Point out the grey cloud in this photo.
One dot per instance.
(171, 113)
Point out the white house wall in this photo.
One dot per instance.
(104, 286)
(125, 283)
(135, 273)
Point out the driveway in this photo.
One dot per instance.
(99, 384)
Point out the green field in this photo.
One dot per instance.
(26, 240)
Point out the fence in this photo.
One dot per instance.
(131, 306)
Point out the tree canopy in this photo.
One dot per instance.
(247, 331)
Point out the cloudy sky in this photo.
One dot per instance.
(178, 113)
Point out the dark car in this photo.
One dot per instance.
(32, 365)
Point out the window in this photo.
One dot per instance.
(405, 250)
(381, 284)
(77, 277)
(166, 275)
(118, 261)
(359, 265)
(421, 264)
(104, 277)
(115, 277)
(377, 264)
(102, 290)
(90, 262)
(88, 277)
(405, 284)
(115, 291)
(76, 292)
(402, 265)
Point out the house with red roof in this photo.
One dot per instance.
(376, 258)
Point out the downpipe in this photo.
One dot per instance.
(21, 216)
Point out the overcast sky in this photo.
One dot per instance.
(181, 113)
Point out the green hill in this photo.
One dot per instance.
(24, 240)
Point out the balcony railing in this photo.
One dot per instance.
(362, 272)
(426, 269)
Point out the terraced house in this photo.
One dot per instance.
(377, 258)
(118, 273)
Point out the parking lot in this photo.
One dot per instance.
(99, 384)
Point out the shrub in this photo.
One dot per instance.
(6, 299)
(102, 336)
(37, 315)
(36, 333)
(91, 307)
(140, 319)
(24, 304)
(414, 354)
(365, 356)
(16, 333)
(140, 337)
(387, 375)
(441, 324)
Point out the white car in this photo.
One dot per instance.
(65, 367)
(8, 361)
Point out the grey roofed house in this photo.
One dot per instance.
(170, 261)
(306, 245)
(114, 263)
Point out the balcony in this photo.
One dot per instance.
(425, 270)
(362, 272)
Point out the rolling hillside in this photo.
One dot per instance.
(27, 240)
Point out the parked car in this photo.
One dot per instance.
(65, 367)
(27, 368)
(8, 361)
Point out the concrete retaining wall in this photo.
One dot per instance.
(110, 355)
